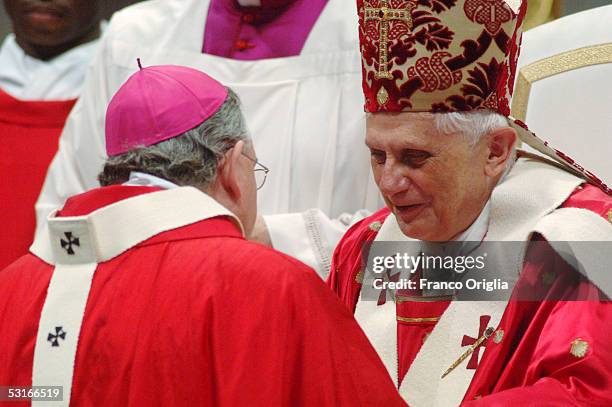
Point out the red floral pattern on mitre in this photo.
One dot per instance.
(438, 55)
(490, 13)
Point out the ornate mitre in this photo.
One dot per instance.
(445, 56)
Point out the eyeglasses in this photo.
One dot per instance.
(261, 172)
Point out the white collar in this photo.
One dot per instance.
(141, 179)
(466, 241)
(478, 229)
(28, 78)
(109, 231)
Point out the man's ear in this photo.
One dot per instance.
(229, 171)
(500, 143)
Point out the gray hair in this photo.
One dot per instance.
(189, 159)
(473, 125)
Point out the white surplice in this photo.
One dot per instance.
(28, 78)
(305, 114)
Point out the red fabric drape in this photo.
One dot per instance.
(29, 133)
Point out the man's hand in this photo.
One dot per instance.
(260, 232)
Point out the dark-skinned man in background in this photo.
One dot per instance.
(42, 68)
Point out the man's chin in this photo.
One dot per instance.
(411, 220)
(419, 230)
(412, 229)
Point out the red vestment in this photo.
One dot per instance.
(29, 132)
(532, 364)
(197, 316)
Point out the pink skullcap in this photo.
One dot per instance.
(158, 103)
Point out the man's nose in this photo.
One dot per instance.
(392, 179)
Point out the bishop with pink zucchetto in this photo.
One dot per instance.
(295, 66)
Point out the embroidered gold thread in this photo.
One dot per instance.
(610, 216)
(408, 298)
(549, 277)
(579, 348)
(359, 277)
(382, 96)
(554, 65)
(417, 320)
(499, 336)
(385, 15)
(375, 226)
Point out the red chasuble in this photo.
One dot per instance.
(197, 316)
(29, 132)
(543, 353)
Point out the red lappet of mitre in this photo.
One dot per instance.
(447, 56)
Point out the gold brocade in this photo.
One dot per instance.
(554, 65)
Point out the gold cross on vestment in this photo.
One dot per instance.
(486, 335)
(385, 15)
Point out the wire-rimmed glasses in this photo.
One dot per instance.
(260, 170)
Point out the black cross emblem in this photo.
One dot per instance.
(54, 337)
(67, 245)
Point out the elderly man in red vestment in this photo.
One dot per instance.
(145, 292)
(42, 68)
(438, 77)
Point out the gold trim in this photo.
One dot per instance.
(554, 65)
(610, 216)
(409, 298)
(429, 319)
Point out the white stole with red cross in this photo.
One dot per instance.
(76, 245)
